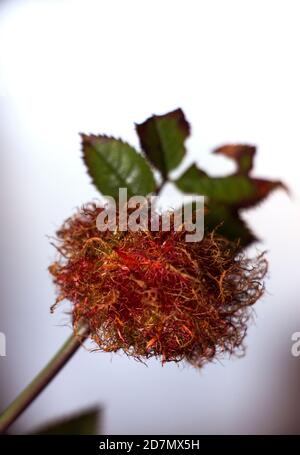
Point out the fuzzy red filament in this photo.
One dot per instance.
(152, 293)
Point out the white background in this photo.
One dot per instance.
(99, 66)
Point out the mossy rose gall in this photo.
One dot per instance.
(152, 294)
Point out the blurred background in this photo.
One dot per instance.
(97, 66)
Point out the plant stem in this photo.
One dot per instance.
(160, 187)
(43, 378)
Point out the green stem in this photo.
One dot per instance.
(43, 378)
(160, 187)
